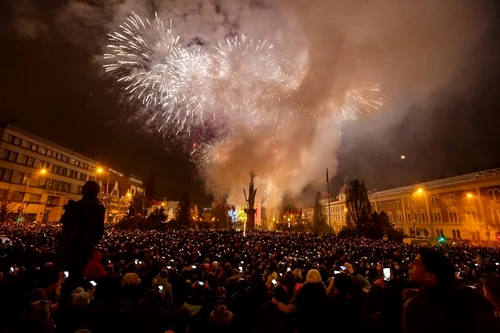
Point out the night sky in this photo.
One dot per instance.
(55, 89)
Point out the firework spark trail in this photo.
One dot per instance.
(241, 67)
(239, 78)
(139, 52)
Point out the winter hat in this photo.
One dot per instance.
(37, 295)
(297, 273)
(81, 300)
(78, 290)
(365, 284)
(220, 311)
(313, 276)
(41, 309)
(131, 278)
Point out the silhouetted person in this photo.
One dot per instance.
(83, 228)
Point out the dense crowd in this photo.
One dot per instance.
(194, 281)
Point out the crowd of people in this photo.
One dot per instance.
(220, 281)
(186, 281)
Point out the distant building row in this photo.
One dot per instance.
(462, 207)
(38, 177)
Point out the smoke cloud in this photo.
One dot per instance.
(408, 48)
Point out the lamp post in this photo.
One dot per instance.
(344, 217)
(100, 170)
(41, 172)
(421, 192)
(481, 211)
(470, 197)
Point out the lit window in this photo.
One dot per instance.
(450, 198)
(494, 194)
(21, 159)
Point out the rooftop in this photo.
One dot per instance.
(46, 142)
(443, 182)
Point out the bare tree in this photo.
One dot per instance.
(318, 223)
(359, 209)
(7, 205)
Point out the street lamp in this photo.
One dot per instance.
(420, 192)
(99, 171)
(41, 172)
(477, 203)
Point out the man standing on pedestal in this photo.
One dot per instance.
(83, 228)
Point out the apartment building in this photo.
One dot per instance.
(37, 177)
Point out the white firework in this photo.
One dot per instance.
(140, 57)
(241, 66)
(238, 80)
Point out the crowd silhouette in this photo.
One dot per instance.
(191, 281)
(77, 277)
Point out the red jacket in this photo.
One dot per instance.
(94, 269)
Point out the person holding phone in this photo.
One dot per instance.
(272, 319)
(161, 279)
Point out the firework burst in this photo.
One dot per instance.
(140, 58)
(240, 67)
(241, 80)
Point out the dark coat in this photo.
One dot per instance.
(272, 320)
(83, 228)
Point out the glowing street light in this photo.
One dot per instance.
(470, 195)
(42, 171)
(99, 170)
(418, 192)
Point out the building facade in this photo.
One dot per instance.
(461, 207)
(117, 191)
(334, 209)
(38, 177)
